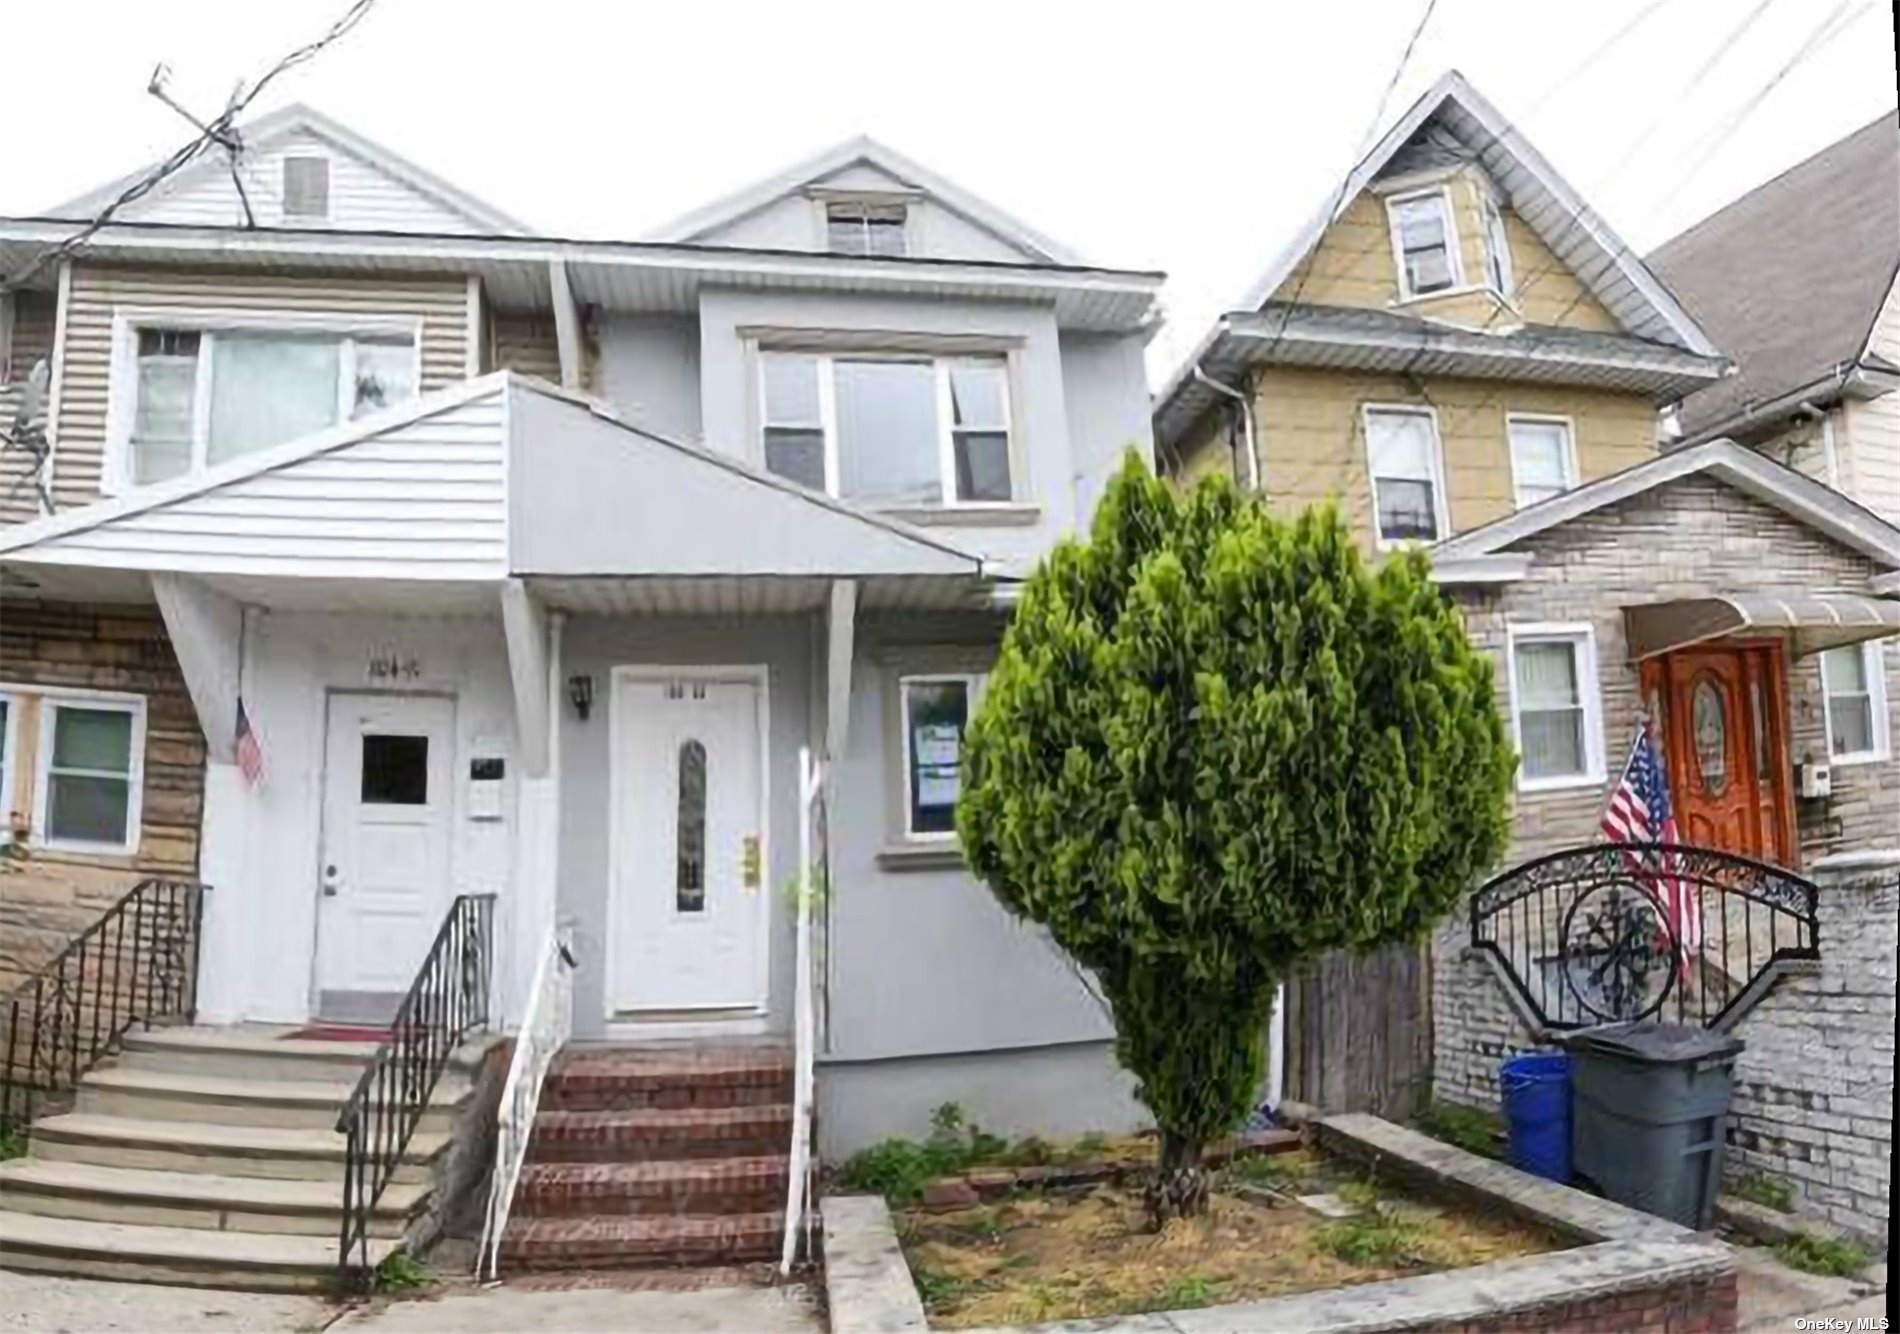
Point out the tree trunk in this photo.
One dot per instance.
(1179, 1188)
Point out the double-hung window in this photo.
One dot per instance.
(1498, 272)
(1424, 243)
(197, 396)
(935, 711)
(1543, 457)
(1407, 491)
(91, 772)
(865, 229)
(1556, 706)
(1854, 690)
(899, 431)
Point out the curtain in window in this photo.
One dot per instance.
(1550, 710)
(1539, 459)
(167, 388)
(1400, 446)
(267, 388)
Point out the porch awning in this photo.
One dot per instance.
(1811, 622)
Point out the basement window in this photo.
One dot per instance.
(306, 189)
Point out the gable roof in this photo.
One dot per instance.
(1482, 554)
(286, 122)
(1791, 277)
(1547, 203)
(852, 152)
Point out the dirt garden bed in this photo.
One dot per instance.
(1082, 1251)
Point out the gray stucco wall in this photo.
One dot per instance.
(1105, 381)
(594, 645)
(649, 370)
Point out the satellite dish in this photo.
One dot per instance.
(32, 399)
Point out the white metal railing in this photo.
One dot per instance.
(545, 1029)
(799, 1175)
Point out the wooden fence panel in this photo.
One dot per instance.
(1359, 1032)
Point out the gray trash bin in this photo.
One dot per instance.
(1649, 1115)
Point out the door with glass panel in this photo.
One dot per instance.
(690, 898)
(1721, 715)
(383, 875)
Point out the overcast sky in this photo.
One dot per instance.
(1183, 136)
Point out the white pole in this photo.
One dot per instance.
(802, 1026)
(1276, 1049)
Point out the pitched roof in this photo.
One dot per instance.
(297, 118)
(1790, 277)
(863, 149)
(1547, 203)
(1479, 554)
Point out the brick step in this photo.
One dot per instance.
(602, 1240)
(669, 1077)
(695, 1186)
(649, 1134)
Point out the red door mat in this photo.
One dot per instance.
(340, 1033)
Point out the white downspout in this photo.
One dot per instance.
(1830, 455)
(1276, 1049)
(1246, 420)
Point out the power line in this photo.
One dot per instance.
(1602, 49)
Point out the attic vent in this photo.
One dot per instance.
(306, 187)
(864, 229)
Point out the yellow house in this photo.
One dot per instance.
(1454, 337)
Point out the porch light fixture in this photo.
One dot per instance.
(580, 693)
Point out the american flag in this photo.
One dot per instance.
(1639, 811)
(250, 755)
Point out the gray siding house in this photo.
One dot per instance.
(533, 565)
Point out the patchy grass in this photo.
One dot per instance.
(1465, 1127)
(1771, 1192)
(1086, 1253)
(1836, 1257)
(899, 1168)
(400, 1272)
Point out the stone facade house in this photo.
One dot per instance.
(1460, 352)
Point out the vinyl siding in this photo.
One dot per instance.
(363, 196)
(1873, 427)
(1312, 438)
(525, 343)
(1353, 265)
(422, 499)
(34, 317)
(440, 303)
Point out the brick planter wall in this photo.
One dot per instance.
(47, 898)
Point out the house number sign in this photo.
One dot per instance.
(391, 666)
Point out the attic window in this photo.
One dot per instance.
(864, 229)
(1424, 243)
(306, 187)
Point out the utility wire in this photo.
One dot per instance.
(1589, 62)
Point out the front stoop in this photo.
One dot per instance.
(656, 1155)
(207, 1157)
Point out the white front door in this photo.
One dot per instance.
(690, 901)
(383, 873)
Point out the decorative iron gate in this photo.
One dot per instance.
(1620, 932)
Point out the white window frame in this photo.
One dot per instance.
(329, 187)
(1497, 245)
(1873, 659)
(9, 749)
(1441, 501)
(129, 321)
(51, 701)
(1455, 260)
(1569, 424)
(940, 363)
(1583, 637)
(973, 684)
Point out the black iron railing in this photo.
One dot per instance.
(137, 965)
(447, 1001)
(1620, 932)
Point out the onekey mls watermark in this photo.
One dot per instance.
(1842, 1322)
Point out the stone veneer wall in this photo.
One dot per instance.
(1818, 1084)
(47, 898)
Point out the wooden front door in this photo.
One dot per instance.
(1721, 714)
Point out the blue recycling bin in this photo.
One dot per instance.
(1536, 1096)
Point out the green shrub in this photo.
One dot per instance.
(400, 1272)
(899, 1168)
(1464, 1127)
(1770, 1192)
(1378, 1239)
(1837, 1257)
(1216, 744)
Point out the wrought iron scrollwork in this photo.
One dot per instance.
(1619, 932)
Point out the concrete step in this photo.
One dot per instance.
(616, 1240)
(650, 1134)
(276, 1152)
(596, 1079)
(133, 1254)
(243, 1053)
(680, 1187)
(300, 1103)
(58, 1189)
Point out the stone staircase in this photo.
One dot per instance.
(208, 1156)
(656, 1154)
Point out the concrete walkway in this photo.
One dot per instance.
(40, 1304)
(1772, 1296)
